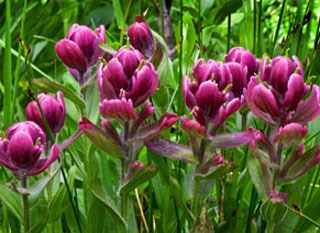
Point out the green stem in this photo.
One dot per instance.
(195, 204)
(125, 165)
(229, 33)
(21, 47)
(260, 39)
(278, 162)
(200, 29)
(278, 27)
(26, 212)
(7, 101)
(254, 25)
(124, 22)
(200, 155)
(270, 227)
(124, 206)
(299, 213)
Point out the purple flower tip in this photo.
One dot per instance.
(22, 149)
(278, 197)
(53, 109)
(140, 36)
(80, 49)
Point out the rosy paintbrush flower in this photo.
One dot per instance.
(54, 110)
(125, 83)
(80, 49)
(278, 99)
(207, 99)
(245, 58)
(22, 149)
(140, 36)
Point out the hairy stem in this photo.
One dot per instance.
(26, 212)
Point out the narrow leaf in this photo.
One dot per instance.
(260, 175)
(170, 149)
(51, 86)
(227, 8)
(60, 201)
(218, 172)
(178, 196)
(101, 138)
(36, 189)
(118, 12)
(12, 200)
(99, 192)
(232, 140)
(143, 175)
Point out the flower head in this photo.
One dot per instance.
(245, 58)
(140, 36)
(79, 50)
(208, 97)
(22, 149)
(278, 100)
(125, 83)
(53, 109)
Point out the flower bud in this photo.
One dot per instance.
(53, 109)
(277, 196)
(140, 36)
(129, 59)
(22, 149)
(135, 167)
(71, 55)
(127, 81)
(80, 49)
(193, 128)
(291, 133)
(245, 58)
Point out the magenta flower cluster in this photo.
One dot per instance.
(25, 142)
(79, 51)
(22, 149)
(125, 83)
(274, 91)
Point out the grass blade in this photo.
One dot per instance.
(7, 69)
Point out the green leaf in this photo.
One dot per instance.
(118, 12)
(96, 217)
(227, 8)
(141, 176)
(39, 214)
(101, 138)
(303, 164)
(99, 192)
(260, 175)
(206, 5)
(273, 211)
(311, 210)
(60, 201)
(218, 172)
(12, 200)
(36, 189)
(178, 196)
(51, 86)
